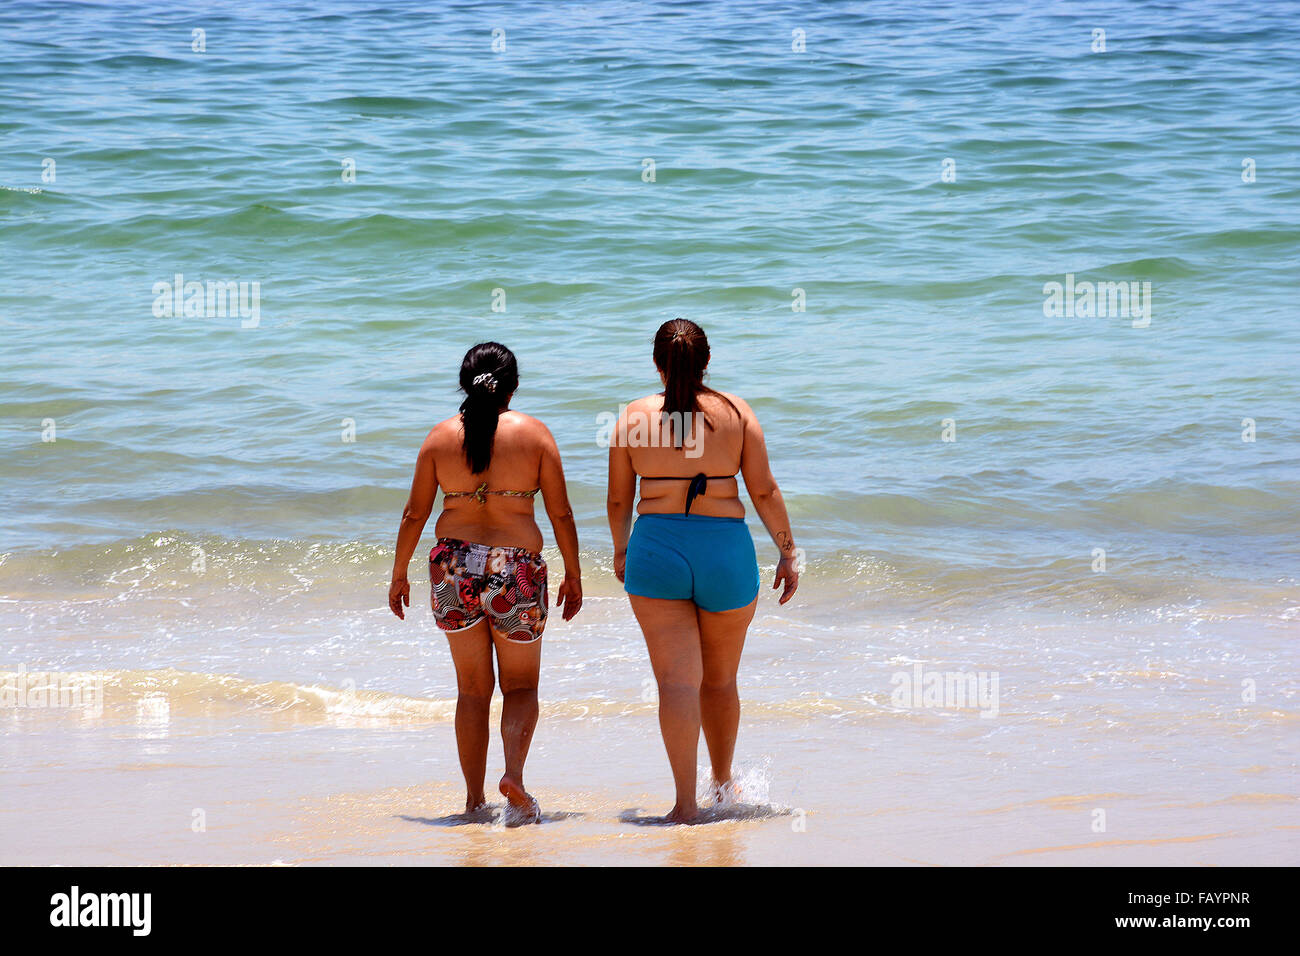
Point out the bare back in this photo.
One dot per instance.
(518, 457)
(713, 451)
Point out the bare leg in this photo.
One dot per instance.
(520, 665)
(673, 638)
(722, 638)
(471, 652)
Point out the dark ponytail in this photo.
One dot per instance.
(488, 377)
(682, 354)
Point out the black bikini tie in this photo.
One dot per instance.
(696, 488)
(698, 484)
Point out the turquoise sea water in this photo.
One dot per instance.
(921, 171)
(774, 171)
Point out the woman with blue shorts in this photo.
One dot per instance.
(688, 565)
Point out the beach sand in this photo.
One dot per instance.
(280, 773)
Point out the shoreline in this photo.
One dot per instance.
(809, 806)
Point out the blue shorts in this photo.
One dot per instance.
(698, 558)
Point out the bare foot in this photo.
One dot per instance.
(680, 814)
(473, 803)
(727, 793)
(522, 808)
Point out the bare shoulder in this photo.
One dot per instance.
(647, 404)
(526, 427)
(742, 406)
(446, 434)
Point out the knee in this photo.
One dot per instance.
(679, 687)
(719, 686)
(475, 696)
(518, 685)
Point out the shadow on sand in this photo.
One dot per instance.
(722, 814)
(486, 817)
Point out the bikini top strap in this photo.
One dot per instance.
(480, 493)
(696, 488)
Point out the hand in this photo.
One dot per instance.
(569, 597)
(785, 571)
(620, 564)
(399, 593)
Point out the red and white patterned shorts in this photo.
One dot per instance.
(506, 585)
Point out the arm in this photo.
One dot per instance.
(766, 495)
(620, 498)
(556, 498)
(419, 505)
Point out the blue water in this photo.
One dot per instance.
(774, 170)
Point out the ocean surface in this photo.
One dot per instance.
(877, 211)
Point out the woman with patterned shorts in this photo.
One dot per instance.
(488, 577)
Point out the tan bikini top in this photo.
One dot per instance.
(480, 494)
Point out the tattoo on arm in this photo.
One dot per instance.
(784, 542)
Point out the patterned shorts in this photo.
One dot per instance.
(507, 585)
